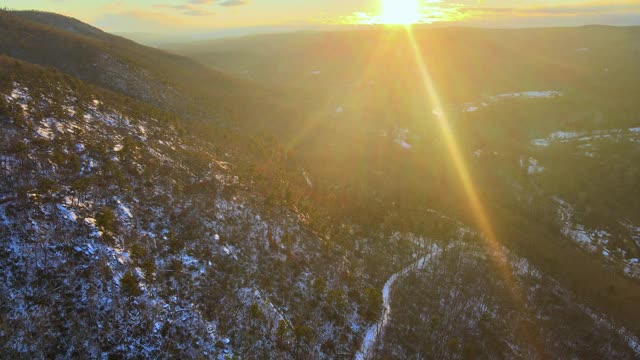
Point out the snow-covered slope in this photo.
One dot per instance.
(123, 238)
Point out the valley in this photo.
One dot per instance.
(300, 195)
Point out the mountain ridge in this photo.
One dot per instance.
(145, 73)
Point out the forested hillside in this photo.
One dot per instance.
(113, 220)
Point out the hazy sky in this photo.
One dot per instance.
(156, 16)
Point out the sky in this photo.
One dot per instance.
(182, 16)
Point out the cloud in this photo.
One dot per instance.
(200, 7)
(197, 12)
(138, 21)
(588, 9)
(232, 3)
(192, 8)
(595, 12)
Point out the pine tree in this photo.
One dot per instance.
(3, 107)
(129, 285)
(106, 219)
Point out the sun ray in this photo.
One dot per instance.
(478, 210)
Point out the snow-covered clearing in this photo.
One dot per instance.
(530, 94)
(566, 136)
(577, 232)
(544, 94)
(596, 241)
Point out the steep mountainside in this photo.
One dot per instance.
(123, 238)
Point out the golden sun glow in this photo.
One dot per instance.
(407, 12)
(399, 12)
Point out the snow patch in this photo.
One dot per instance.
(533, 167)
(565, 136)
(544, 94)
(401, 138)
(530, 94)
(589, 239)
(307, 178)
(45, 132)
(125, 210)
(67, 214)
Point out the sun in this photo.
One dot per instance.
(400, 12)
